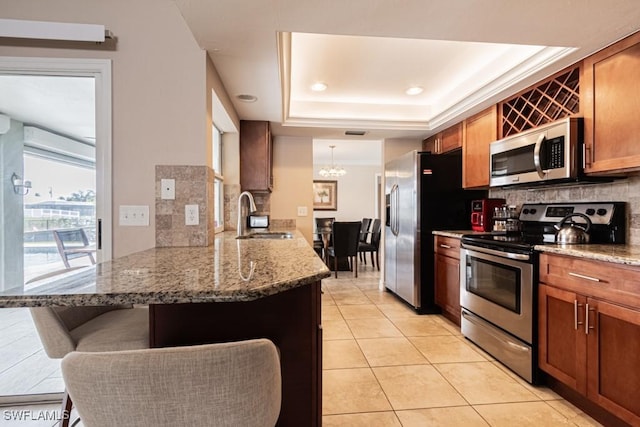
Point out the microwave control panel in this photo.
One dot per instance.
(554, 156)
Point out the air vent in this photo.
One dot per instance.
(355, 132)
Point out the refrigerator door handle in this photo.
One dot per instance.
(395, 229)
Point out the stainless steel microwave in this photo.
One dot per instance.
(547, 153)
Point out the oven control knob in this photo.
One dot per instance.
(590, 211)
(525, 211)
(601, 212)
(533, 211)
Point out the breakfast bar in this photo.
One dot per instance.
(233, 290)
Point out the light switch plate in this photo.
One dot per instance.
(191, 216)
(168, 189)
(302, 211)
(134, 215)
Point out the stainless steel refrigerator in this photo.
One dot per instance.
(423, 193)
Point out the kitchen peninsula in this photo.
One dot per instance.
(235, 289)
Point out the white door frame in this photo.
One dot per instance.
(100, 70)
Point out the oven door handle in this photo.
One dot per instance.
(510, 255)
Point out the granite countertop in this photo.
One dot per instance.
(619, 254)
(456, 234)
(229, 270)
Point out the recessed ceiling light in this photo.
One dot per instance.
(319, 87)
(414, 90)
(247, 98)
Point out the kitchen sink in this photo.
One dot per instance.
(267, 235)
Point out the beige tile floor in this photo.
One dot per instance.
(384, 365)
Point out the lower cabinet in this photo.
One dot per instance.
(447, 276)
(591, 343)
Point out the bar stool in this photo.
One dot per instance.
(90, 328)
(227, 384)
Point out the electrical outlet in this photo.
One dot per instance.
(191, 216)
(302, 211)
(131, 215)
(168, 189)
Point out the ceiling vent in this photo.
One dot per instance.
(355, 132)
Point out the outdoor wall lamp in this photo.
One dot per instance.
(19, 186)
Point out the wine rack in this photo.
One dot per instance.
(550, 100)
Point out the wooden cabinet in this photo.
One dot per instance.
(479, 131)
(445, 141)
(589, 331)
(610, 101)
(447, 276)
(451, 138)
(432, 143)
(256, 156)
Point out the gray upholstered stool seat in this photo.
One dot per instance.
(227, 384)
(90, 328)
(114, 330)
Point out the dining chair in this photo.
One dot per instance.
(226, 384)
(63, 330)
(345, 235)
(322, 224)
(364, 235)
(372, 246)
(73, 244)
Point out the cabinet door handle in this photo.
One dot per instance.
(575, 314)
(442, 245)
(586, 155)
(582, 276)
(586, 319)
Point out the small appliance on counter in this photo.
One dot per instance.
(482, 213)
(258, 221)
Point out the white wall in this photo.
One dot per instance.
(356, 193)
(161, 92)
(292, 178)
(396, 147)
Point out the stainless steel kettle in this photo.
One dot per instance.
(572, 233)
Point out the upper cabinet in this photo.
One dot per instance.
(256, 156)
(432, 143)
(445, 141)
(451, 138)
(479, 131)
(610, 102)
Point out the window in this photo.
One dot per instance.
(218, 184)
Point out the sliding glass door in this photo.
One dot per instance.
(55, 162)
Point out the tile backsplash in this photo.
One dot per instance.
(624, 190)
(193, 186)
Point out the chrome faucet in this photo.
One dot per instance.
(242, 220)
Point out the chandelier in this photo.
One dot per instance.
(332, 170)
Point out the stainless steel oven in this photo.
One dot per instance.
(498, 304)
(499, 278)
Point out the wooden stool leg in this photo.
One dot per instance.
(65, 415)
